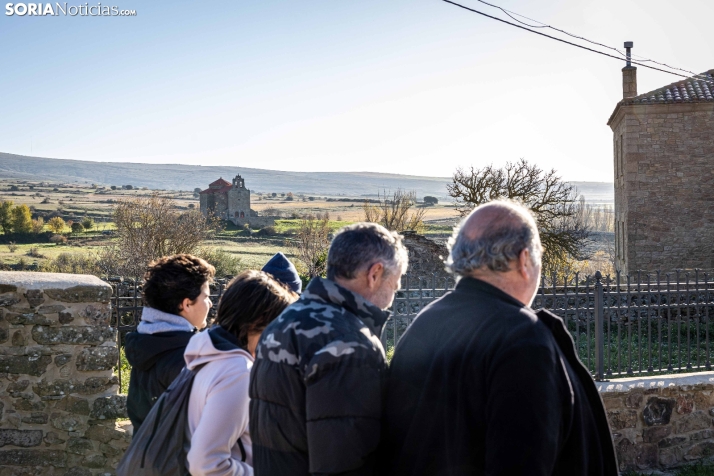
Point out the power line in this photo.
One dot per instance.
(569, 42)
(545, 25)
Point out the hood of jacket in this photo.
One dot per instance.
(144, 350)
(154, 321)
(214, 344)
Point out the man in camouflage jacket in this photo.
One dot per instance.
(316, 385)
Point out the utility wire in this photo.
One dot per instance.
(569, 42)
(545, 25)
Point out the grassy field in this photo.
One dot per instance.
(76, 201)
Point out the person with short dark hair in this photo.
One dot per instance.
(177, 300)
(480, 384)
(316, 386)
(220, 444)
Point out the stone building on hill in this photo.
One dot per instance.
(664, 175)
(231, 201)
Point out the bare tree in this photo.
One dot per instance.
(396, 211)
(556, 204)
(149, 227)
(312, 241)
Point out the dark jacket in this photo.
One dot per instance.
(156, 360)
(316, 386)
(481, 385)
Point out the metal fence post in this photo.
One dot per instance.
(599, 329)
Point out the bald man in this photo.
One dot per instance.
(480, 384)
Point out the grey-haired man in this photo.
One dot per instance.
(482, 385)
(316, 386)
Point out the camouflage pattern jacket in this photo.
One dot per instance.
(316, 386)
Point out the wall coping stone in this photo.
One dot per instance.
(33, 280)
(657, 381)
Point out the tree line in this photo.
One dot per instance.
(18, 219)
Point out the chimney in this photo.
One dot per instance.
(629, 75)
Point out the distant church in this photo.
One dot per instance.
(663, 143)
(231, 201)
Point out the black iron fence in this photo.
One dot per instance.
(643, 324)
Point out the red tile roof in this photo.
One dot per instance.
(220, 182)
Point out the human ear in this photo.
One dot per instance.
(524, 263)
(374, 273)
(183, 306)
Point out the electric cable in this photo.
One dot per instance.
(642, 59)
(577, 45)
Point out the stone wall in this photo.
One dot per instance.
(58, 395)
(661, 422)
(664, 186)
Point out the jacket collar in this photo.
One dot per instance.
(472, 284)
(154, 321)
(322, 289)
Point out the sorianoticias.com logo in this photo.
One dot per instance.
(63, 9)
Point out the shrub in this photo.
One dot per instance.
(77, 227)
(58, 239)
(38, 225)
(12, 247)
(56, 224)
(267, 231)
(226, 263)
(87, 223)
(34, 252)
(46, 200)
(74, 263)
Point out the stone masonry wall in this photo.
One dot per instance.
(58, 397)
(664, 186)
(661, 422)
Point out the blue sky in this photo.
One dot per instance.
(406, 86)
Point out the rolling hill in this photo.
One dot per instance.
(188, 177)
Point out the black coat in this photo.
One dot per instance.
(316, 386)
(156, 360)
(481, 385)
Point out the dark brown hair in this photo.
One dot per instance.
(171, 279)
(250, 302)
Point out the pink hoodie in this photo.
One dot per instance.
(218, 409)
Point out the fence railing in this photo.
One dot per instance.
(642, 324)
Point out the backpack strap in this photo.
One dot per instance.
(242, 450)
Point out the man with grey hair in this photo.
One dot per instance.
(480, 384)
(316, 386)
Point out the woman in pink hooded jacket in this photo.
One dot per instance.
(218, 410)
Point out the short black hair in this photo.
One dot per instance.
(171, 279)
(250, 302)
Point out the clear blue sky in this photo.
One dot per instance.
(404, 86)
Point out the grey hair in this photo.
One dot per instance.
(359, 246)
(498, 245)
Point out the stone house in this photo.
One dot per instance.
(663, 143)
(231, 201)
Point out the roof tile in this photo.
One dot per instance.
(694, 89)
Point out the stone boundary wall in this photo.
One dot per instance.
(661, 422)
(58, 395)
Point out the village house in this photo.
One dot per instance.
(231, 201)
(664, 175)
